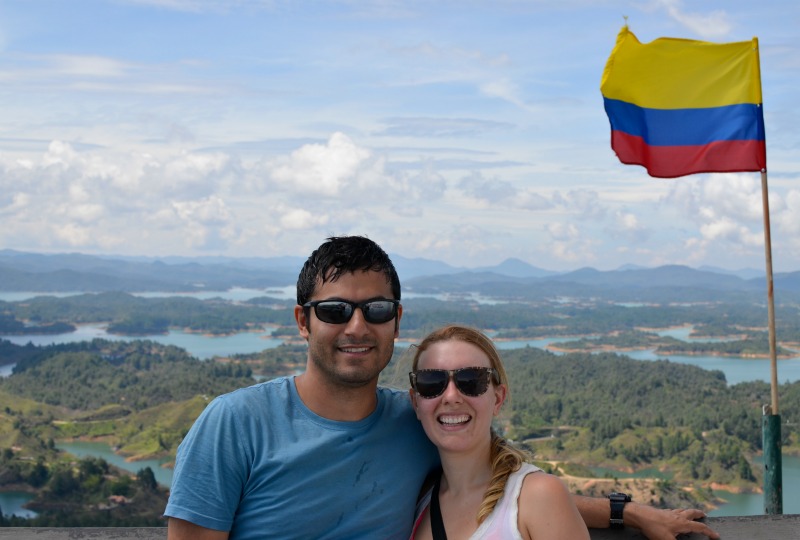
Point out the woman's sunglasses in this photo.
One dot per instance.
(341, 311)
(470, 381)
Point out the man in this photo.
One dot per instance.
(328, 453)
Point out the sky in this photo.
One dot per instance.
(463, 131)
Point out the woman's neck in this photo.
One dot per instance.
(466, 472)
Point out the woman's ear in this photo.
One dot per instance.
(500, 393)
(413, 396)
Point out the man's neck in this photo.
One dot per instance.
(336, 402)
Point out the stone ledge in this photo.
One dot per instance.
(783, 527)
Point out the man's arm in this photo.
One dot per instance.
(179, 529)
(654, 523)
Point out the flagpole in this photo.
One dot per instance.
(771, 420)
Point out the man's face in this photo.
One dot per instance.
(354, 353)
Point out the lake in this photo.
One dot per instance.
(736, 368)
(235, 294)
(242, 294)
(11, 504)
(204, 347)
(83, 449)
(199, 345)
(741, 504)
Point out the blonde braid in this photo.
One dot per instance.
(505, 460)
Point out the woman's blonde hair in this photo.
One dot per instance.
(505, 458)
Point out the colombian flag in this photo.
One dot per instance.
(679, 107)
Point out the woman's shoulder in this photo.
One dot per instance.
(545, 502)
(543, 490)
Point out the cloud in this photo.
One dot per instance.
(441, 127)
(583, 203)
(562, 232)
(302, 219)
(496, 192)
(324, 169)
(189, 6)
(713, 25)
(507, 91)
(717, 201)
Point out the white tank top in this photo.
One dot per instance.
(501, 524)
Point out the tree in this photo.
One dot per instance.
(147, 479)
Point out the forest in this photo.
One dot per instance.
(577, 410)
(579, 413)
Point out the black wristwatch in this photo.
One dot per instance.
(618, 502)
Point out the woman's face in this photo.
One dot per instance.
(454, 421)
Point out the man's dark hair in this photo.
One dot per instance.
(341, 255)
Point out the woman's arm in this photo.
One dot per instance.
(547, 511)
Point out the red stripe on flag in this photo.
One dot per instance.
(674, 161)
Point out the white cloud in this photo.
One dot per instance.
(563, 232)
(787, 218)
(321, 169)
(585, 204)
(301, 219)
(506, 90)
(712, 25)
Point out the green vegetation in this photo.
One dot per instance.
(10, 326)
(575, 411)
(84, 493)
(755, 346)
(138, 374)
(133, 315)
(630, 414)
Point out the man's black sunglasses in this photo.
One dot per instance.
(341, 311)
(470, 381)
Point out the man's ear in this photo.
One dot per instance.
(302, 322)
(397, 321)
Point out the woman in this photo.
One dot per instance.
(486, 490)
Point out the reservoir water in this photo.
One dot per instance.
(83, 449)
(11, 504)
(736, 368)
(198, 345)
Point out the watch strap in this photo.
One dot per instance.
(618, 502)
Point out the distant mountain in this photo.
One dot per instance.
(88, 273)
(513, 278)
(515, 268)
(411, 268)
(744, 273)
(414, 268)
(631, 267)
(785, 281)
(672, 283)
(662, 276)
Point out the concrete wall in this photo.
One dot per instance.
(784, 527)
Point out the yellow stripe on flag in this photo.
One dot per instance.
(670, 73)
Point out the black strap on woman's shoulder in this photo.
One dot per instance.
(437, 525)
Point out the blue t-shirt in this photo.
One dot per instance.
(258, 463)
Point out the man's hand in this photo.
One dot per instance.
(657, 524)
